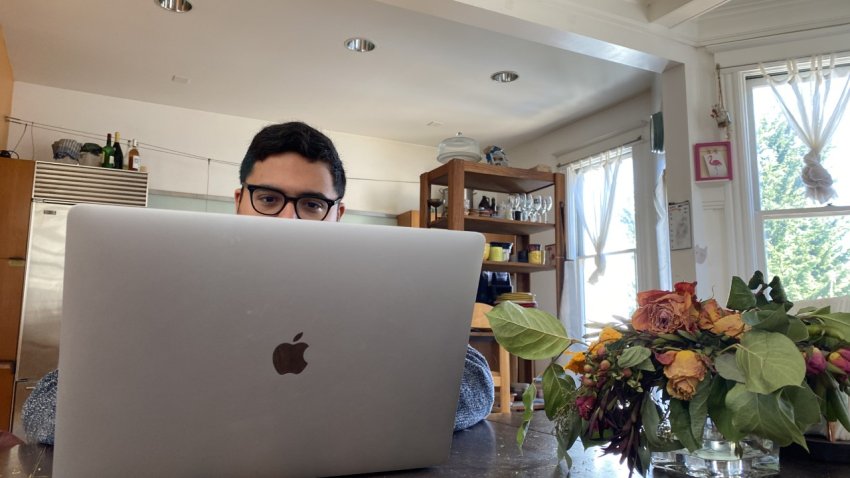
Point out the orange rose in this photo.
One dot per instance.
(720, 321)
(607, 335)
(664, 312)
(576, 363)
(684, 374)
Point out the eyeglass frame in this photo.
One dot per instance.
(289, 199)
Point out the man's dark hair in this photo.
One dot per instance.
(294, 137)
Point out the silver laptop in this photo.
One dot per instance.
(208, 345)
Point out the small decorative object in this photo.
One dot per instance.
(721, 116)
(718, 111)
(435, 203)
(679, 221)
(688, 385)
(495, 156)
(713, 161)
(656, 132)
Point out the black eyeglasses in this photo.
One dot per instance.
(270, 202)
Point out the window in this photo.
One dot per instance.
(592, 183)
(804, 242)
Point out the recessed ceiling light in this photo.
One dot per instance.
(359, 44)
(176, 6)
(504, 76)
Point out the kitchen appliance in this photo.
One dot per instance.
(56, 187)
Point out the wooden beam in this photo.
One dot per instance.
(670, 13)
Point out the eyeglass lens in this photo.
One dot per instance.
(270, 202)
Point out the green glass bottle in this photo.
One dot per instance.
(108, 151)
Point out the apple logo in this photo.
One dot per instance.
(289, 358)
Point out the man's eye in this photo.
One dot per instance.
(268, 198)
(314, 204)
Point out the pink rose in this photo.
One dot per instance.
(815, 362)
(664, 312)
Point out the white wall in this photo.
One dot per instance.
(602, 130)
(383, 175)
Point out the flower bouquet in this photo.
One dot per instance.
(682, 369)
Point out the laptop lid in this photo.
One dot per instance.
(183, 335)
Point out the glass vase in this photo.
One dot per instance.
(720, 458)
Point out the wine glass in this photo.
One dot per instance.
(514, 200)
(547, 206)
(536, 206)
(435, 203)
(523, 206)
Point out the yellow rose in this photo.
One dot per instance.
(608, 334)
(720, 321)
(684, 374)
(576, 363)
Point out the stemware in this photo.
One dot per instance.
(536, 207)
(514, 200)
(547, 206)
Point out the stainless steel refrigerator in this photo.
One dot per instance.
(56, 188)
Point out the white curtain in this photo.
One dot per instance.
(813, 103)
(595, 203)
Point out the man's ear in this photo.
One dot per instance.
(340, 210)
(237, 196)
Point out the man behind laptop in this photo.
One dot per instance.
(290, 171)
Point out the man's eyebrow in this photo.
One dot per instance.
(315, 194)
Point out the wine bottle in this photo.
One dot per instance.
(107, 152)
(118, 153)
(133, 158)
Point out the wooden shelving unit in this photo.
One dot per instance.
(458, 175)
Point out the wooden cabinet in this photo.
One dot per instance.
(16, 185)
(458, 175)
(16, 178)
(7, 380)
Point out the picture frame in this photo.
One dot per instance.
(713, 161)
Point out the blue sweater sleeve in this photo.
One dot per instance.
(39, 412)
(476, 391)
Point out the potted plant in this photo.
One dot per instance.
(682, 374)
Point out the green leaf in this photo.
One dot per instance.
(766, 415)
(740, 296)
(772, 321)
(528, 333)
(727, 367)
(633, 356)
(719, 413)
(646, 365)
(651, 419)
(528, 401)
(836, 324)
(805, 405)
(558, 389)
(698, 408)
(797, 330)
(777, 292)
(756, 281)
(769, 361)
(751, 317)
(680, 423)
(835, 406)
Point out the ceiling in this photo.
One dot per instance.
(284, 60)
(428, 78)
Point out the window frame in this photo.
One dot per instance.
(749, 80)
